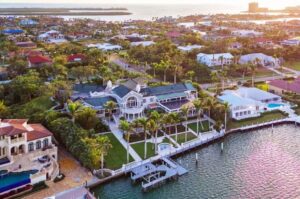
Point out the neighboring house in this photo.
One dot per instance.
(263, 42)
(260, 58)
(52, 37)
(189, 48)
(246, 33)
(38, 61)
(235, 45)
(105, 46)
(291, 42)
(215, 59)
(282, 86)
(12, 31)
(26, 148)
(28, 23)
(26, 44)
(78, 36)
(249, 102)
(76, 58)
(142, 43)
(133, 98)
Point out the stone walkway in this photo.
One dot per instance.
(76, 175)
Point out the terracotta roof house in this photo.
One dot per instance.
(76, 58)
(281, 86)
(25, 148)
(38, 61)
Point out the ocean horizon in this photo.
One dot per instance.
(142, 11)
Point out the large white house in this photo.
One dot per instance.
(215, 59)
(249, 102)
(260, 58)
(133, 98)
(26, 148)
(246, 33)
(105, 46)
(52, 36)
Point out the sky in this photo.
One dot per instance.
(264, 3)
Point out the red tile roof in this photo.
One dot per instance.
(76, 57)
(18, 126)
(39, 132)
(39, 59)
(286, 85)
(174, 34)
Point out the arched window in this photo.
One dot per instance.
(31, 146)
(45, 143)
(131, 102)
(38, 144)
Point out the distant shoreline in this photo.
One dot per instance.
(64, 11)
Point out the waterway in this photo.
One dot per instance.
(258, 164)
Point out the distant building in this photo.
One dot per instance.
(215, 59)
(249, 102)
(189, 48)
(254, 7)
(290, 42)
(105, 46)
(261, 58)
(38, 61)
(281, 86)
(142, 43)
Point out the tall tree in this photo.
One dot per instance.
(127, 129)
(104, 145)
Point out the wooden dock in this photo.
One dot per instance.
(155, 175)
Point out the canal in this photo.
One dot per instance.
(258, 164)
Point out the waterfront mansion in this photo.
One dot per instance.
(27, 156)
(134, 97)
(250, 102)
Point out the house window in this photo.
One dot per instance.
(31, 146)
(45, 143)
(38, 145)
(131, 102)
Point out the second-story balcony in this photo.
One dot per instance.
(17, 140)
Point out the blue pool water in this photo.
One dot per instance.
(273, 105)
(15, 179)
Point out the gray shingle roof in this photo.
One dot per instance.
(163, 90)
(121, 91)
(99, 101)
(87, 88)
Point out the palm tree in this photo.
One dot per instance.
(175, 120)
(167, 121)
(103, 145)
(156, 117)
(253, 68)
(110, 106)
(73, 107)
(185, 112)
(153, 127)
(143, 123)
(198, 105)
(221, 59)
(226, 109)
(127, 129)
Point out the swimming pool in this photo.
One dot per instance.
(274, 105)
(15, 179)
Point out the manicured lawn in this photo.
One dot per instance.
(139, 148)
(117, 155)
(181, 137)
(266, 117)
(293, 65)
(205, 128)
